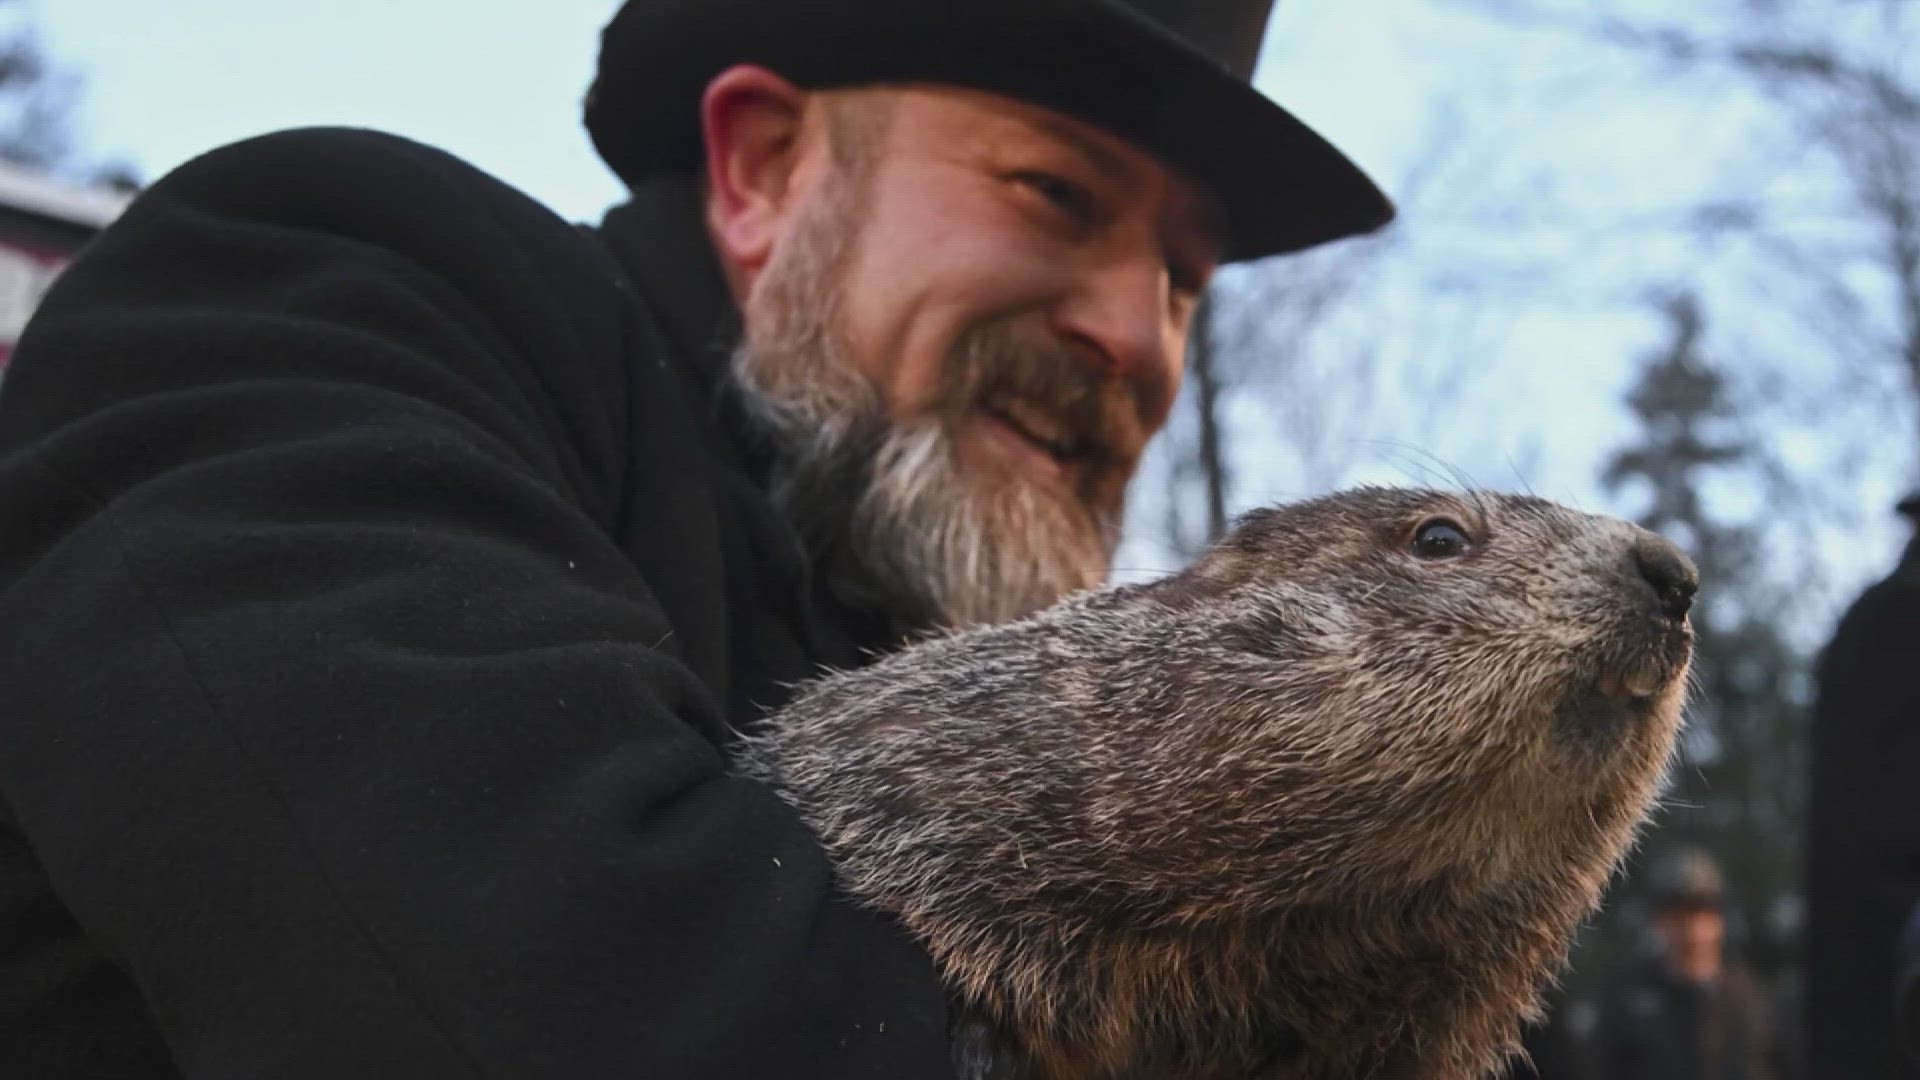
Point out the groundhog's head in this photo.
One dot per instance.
(1427, 637)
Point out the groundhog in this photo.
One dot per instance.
(1329, 803)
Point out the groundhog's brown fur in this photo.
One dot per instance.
(1326, 804)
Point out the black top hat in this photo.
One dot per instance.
(1169, 76)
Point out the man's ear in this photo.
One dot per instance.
(752, 120)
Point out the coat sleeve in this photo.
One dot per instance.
(332, 712)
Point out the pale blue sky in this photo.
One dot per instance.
(495, 82)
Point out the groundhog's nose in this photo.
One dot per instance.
(1669, 571)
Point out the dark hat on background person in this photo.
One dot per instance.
(1687, 879)
(1169, 76)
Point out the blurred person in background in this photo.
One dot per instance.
(1863, 842)
(1687, 1010)
(388, 562)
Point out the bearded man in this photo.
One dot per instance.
(388, 563)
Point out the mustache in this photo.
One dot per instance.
(1041, 383)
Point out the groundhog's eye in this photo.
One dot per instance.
(1440, 539)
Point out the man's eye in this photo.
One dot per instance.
(1070, 198)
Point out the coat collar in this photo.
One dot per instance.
(659, 237)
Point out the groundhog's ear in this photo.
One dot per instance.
(1267, 532)
(1206, 580)
(1254, 523)
(1256, 537)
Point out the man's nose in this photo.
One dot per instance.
(1123, 318)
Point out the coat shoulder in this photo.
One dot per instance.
(351, 259)
(312, 167)
(335, 189)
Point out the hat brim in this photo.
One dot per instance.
(1281, 186)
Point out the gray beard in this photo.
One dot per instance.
(883, 505)
(893, 522)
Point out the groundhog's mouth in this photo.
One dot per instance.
(1635, 681)
(1595, 719)
(1625, 691)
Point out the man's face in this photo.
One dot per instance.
(973, 324)
(1693, 938)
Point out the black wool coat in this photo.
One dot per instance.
(1863, 842)
(384, 568)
